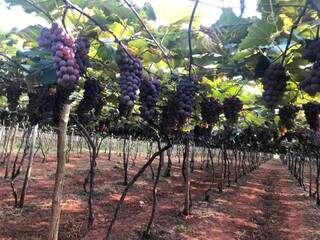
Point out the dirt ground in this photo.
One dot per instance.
(266, 204)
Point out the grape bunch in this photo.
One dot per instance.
(63, 49)
(81, 55)
(312, 51)
(33, 108)
(169, 116)
(91, 97)
(287, 115)
(232, 106)
(312, 111)
(274, 85)
(202, 132)
(311, 84)
(130, 79)
(185, 99)
(211, 110)
(149, 93)
(13, 93)
(41, 105)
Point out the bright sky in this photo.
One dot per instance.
(208, 10)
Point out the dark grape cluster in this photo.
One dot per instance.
(91, 97)
(312, 111)
(130, 79)
(274, 85)
(287, 115)
(169, 116)
(311, 84)
(185, 99)
(149, 93)
(82, 50)
(210, 110)
(312, 51)
(202, 132)
(232, 106)
(63, 49)
(41, 105)
(13, 92)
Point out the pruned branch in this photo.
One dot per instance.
(294, 26)
(190, 37)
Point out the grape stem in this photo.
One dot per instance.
(40, 9)
(190, 37)
(65, 11)
(161, 48)
(103, 28)
(294, 26)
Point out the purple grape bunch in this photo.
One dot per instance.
(287, 115)
(130, 79)
(149, 93)
(312, 111)
(232, 106)
(91, 96)
(63, 49)
(312, 51)
(185, 99)
(311, 84)
(210, 110)
(82, 51)
(274, 85)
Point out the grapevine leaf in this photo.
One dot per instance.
(259, 34)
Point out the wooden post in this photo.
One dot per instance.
(58, 185)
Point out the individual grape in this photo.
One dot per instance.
(63, 50)
(210, 110)
(232, 106)
(13, 93)
(287, 115)
(185, 99)
(311, 84)
(91, 96)
(312, 51)
(311, 112)
(81, 55)
(149, 93)
(130, 79)
(274, 85)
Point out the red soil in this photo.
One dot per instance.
(266, 204)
